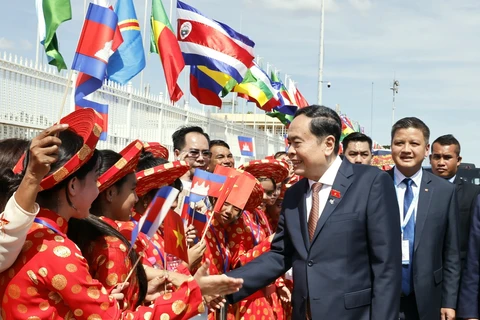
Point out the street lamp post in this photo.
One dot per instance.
(320, 62)
(394, 89)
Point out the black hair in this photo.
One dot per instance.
(148, 160)
(178, 136)
(411, 122)
(356, 137)
(325, 122)
(86, 231)
(71, 144)
(221, 143)
(279, 154)
(11, 150)
(268, 179)
(448, 140)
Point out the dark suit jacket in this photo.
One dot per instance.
(466, 196)
(469, 298)
(352, 268)
(436, 258)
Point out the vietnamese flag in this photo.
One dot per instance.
(241, 191)
(174, 236)
(164, 42)
(225, 192)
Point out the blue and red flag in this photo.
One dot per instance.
(205, 184)
(129, 59)
(212, 44)
(204, 88)
(98, 41)
(155, 213)
(191, 216)
(246, 146)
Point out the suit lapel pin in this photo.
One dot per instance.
(335, 193)
(426, 190)
(331, 201)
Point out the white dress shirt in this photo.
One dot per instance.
(400, 187)
(327, 182)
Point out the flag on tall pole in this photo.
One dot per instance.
(164, 42)
(98, 41)
(212, 44)
(287, 98)
(300, 100)
(129, 59)
(51, 13)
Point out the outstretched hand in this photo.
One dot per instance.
(217, 285)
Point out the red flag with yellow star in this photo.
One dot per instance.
(174, 236)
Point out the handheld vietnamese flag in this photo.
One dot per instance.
(246, 146)
(156, 212)
(227, 188)
(241, 191)
(174, 236)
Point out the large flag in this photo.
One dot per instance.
(51, 13)
(213, 44)
(246, 146)
(300, 100)
(98, 41)
(174, 236)
(166, 45)
(129, 59)
(205, 87)
(282, 90)
(257, 87)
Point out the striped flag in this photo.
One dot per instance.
(51, 13)
(98, 41)
(165, 43)
(300, 100)
(129, 59)
(213, 44)
(282, 90)
(155, 213)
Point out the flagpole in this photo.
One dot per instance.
(144, 38)
(320, 62)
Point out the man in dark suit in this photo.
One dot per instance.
(445, 160)
(428, 215)
(338, 229)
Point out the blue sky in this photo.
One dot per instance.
(432, 47)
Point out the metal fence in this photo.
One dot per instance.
(31, 96)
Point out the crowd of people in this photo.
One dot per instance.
(306, 233)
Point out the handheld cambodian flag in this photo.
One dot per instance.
(190, 215)
(212, 44)
(156, 212)
(246, 146)
(98, 41)
(205, 184)
(174, 236)
(129, 59)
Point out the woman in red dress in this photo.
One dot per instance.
(50, 278)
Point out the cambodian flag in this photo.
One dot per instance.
(99, 39)
(205, 184)
(191, 216)
(156, 212)
(210, 43)
(246, 146)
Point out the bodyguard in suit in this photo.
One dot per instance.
(445, 160)
(428, 215)
(338, 229)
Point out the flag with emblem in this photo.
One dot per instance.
(174, 236)
(246, 146)
(205, 184)
(197, 219)
(99, 39)
(129, 59)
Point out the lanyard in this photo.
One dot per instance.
(264, 220)
(256, 238)
(224, 259)
(49, 226)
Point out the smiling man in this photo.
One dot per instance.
(338, 229)
(221, 155)
(428, 216)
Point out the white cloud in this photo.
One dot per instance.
(6, 44)
(301, 5)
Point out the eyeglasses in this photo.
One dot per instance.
(195, 153)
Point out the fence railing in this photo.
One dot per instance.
(30, 99)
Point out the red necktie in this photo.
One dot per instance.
(315, 211)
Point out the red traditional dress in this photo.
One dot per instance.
(248, 238)
(50, 280)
